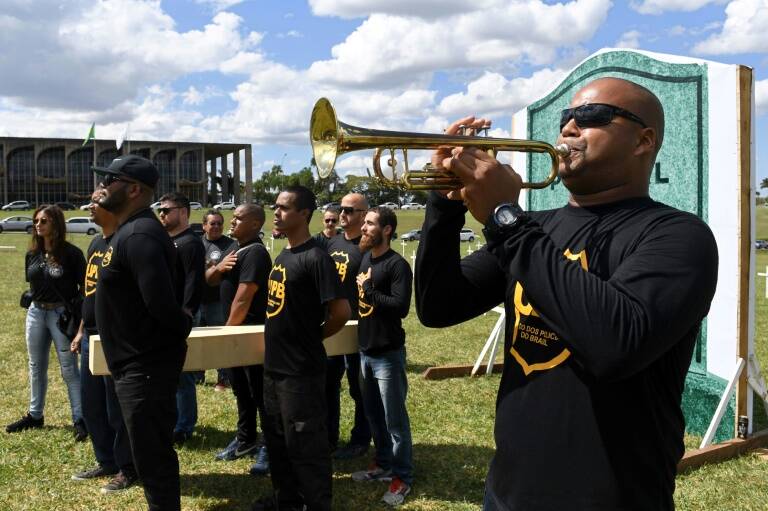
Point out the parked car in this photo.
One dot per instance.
(413, 205)
(17, 205)
(155, 205)
(330, 205)
(85, 207)
(413, 235)
(276, 235)
(761, 244)
(225, 205)
(82, 224)
(390, 205)
(195, 205)
(66, 206)
(467, 235)
(16, 223)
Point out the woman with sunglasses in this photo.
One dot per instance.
(55, 270)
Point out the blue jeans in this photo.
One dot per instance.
(41, 330)
(103, 418)
(385, 387)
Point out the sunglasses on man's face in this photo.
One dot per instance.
(108, 179)
(165, 211)
(592, 115)
(330, 220)
(348, 210)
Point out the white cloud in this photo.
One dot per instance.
(193, 96)
(629, 39)
(291, 33)
(661, 6)
(761, 97)
(71, 58)
(404, 50)
(219, 5)
(422, 8)
(744, 30)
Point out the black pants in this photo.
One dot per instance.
(248, 387)
(300, 460)
(361, 430)
(148, 402)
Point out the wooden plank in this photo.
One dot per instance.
(217, 347)
(721, 452)
(746, 201)
(457, 371)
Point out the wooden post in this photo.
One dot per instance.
(746, 201)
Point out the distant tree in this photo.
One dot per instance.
(764, 183)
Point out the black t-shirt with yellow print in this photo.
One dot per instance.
(303, 279)
(603, 307)
(96, 250)
(347, 256)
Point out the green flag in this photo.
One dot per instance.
(91, 134)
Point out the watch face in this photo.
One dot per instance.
(505, 216)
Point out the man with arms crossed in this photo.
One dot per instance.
(604, 298)
(384, 283)
(143, 325)
(101, 409)
(345, 251)
(216, 245)
(242, 276)
(305, 305)
(174, 213)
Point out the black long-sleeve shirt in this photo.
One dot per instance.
(139, 314)
(603, 306)
(191, 260)
(384, 300)
(54, 281)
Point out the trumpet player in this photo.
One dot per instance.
(604, 298)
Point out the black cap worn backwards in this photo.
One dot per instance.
(133, 167)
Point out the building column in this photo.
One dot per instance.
(177, 168)
(204, 175)
(214, 194)
(224, 179)
(248, 175)
(236, 175)
(36, 153)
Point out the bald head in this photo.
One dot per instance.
(353, 209)
(253, 211)
(629, 96)
(356, 200)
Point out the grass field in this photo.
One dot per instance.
(452, 423)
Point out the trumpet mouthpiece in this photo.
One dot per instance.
(562, 149)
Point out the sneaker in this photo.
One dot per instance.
(26, 422)
(81, 433)
(373, 473)
(236, 449)
(261, 467)
(221, 387)
(349, 451)
(93, 473)
(396, 493)
(120, 482)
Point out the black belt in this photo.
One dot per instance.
(48, 305)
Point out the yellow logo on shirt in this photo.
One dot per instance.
(342, 262)
(363, 309)
(92, 273)
(107, 258)
(276, 290)
(534, 345)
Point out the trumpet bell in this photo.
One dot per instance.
(323, 135)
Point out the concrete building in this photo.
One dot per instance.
(49, 170)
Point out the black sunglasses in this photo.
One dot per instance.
(165, 211)
(349, 210)
(41, 221)
(108, 179)
(596, 114)
(330, 220)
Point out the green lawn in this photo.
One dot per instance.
(452, 424)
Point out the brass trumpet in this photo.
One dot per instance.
(331, 138)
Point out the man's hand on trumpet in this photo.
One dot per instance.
(487, 183)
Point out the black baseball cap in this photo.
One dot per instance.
(133, 167)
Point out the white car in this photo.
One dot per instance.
(17, 205)
(225, 205)
(467, 235)
(195, 205)
(155, 205)
(85, 207)
(82, 224)
(413, 205)
(390, 205)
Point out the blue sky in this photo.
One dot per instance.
(250, 70)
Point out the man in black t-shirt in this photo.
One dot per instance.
(330, 225)
(345, 252)
(174, 213)
(305, 304)
(216, 245)
(384, 283)
(604, 298)
(242, 278)
(101, 408)
(142, 323)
